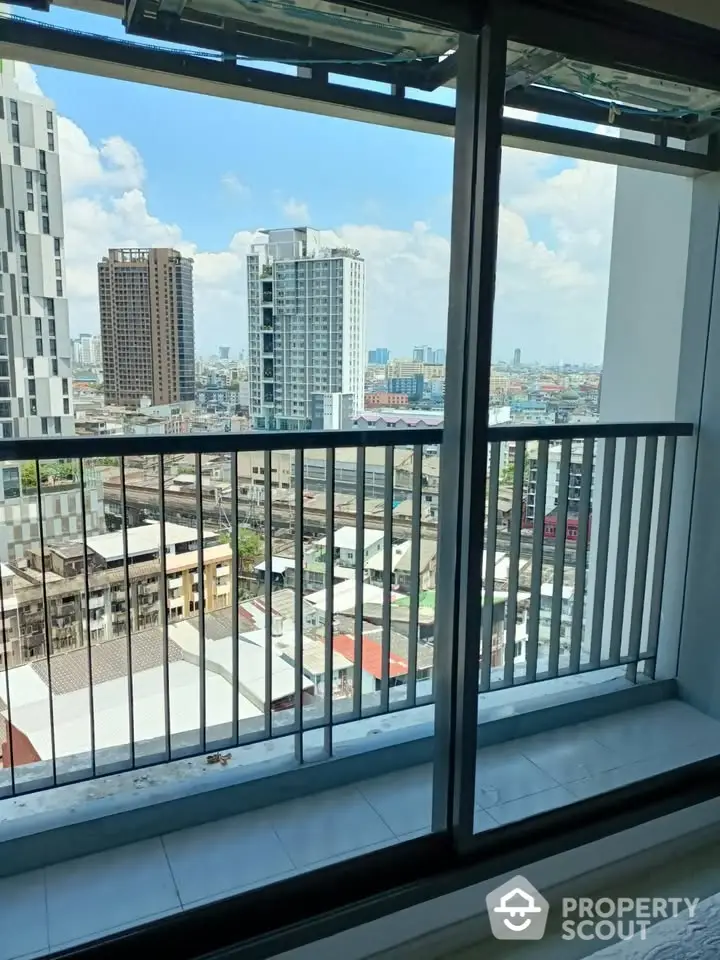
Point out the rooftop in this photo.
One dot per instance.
(142, 540)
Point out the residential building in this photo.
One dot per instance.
(413, 386)
(147, 326)
(61, 507)
(384, 399)
(35, 349)
(306, 317)
(553, 484)
(379, 356)
(331, 411)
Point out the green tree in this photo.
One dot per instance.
(249, 547)
(48, 473)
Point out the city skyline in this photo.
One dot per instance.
(554, 224)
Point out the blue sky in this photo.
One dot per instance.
(208, 172)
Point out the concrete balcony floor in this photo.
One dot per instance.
(80, 900)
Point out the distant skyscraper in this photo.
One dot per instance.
(83, 350)
(35, 348)
(439, 356)
(147, 326)
(306, 319)
(380, 356)
(516, 357)
(224, 353)
(423, 354)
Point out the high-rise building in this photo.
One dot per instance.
(516, 357)
(35, 348)
(439, 357)
(224, 353)
(306, 319)
(379, 356)
(147, 326)
(83, 350)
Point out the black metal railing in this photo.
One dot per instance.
(127, 648)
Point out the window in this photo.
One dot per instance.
(51, 141)
(11, 481)
(33, 407)
(65, 385)
(44, 426)
(46, 225)
(51, 326)
(39, 347)
(31, 367)
(58, 425)
(38, 327)
(56, 244)
(4, 388)
(50, 306)
(15, 132)
(53, 347)
(21, 221)
(54, 365)
(59, 287)
(5, 409)
(16, 156)
(25, 284)
(30, 201)
(23, 263)
(22, 240)
(3, 347)
(66, 405)
(13, 110)
(49, 116)
(26, 305)
(58, 268)
(28, 179)
(43, 160)
(44, 203)
(43, 182)
(7, 432)
(4, 368)
(31, 388)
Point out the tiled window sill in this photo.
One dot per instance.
(70, 903)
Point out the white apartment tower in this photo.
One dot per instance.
(306, 318)
(35, 347)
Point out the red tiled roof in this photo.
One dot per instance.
(371, 656)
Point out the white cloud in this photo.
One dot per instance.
(27, 78)
(235, 186)
(553, 252)
(296, 211)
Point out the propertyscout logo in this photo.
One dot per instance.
(518, 911)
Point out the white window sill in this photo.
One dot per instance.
(70, 903)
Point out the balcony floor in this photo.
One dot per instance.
(106, 892)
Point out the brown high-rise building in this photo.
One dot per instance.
(147, 327)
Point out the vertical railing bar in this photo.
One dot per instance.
(641, 555)
(488, 585)
(234, 599)
(601, 556)
(163, 593)
(514, 568)
(201, 600)
(11, 744)
(86, 571)
(581, 545)
(623, 549)
(329, 597)
(536, 573)
(299, 568)
(128, 614)
(387, 578)
(561, 514)
(661, 542)
(48, 639)
(415, 544)
(359, 552)
(267, 495)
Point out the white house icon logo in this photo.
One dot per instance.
(517, 911)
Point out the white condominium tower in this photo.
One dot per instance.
(35, 348)
(306, 317)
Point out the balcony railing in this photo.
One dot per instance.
(329, 618)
